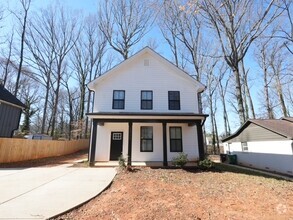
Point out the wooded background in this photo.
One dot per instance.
(241, 50)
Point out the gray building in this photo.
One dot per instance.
(10, 112)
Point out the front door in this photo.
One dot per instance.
(116, 145)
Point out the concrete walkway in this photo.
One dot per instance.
(40, 193)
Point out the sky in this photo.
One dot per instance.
(90, 6)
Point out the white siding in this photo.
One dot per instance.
(271, 147)
(189, 136)
(157, 154)
(267, 155)
(136, 77)
(189, 142)
(271, 162)
(104, 140)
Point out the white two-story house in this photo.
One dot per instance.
(146, 109)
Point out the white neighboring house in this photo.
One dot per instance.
(146, 108)
(264, 144)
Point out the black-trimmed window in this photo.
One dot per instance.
(146, 139)
(146, 100)
(118, 99)
(175, 139)
(174, 100)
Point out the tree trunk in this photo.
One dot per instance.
(21, 46)
(279, 89)
(247, 92)
(281, 97)
(249, 99)
(239, 95)
(55, 108)
(46, 105)
(217, 135)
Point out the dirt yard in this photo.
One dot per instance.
(48, 162)
(148, 193)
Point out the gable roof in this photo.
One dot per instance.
(157, 56)
(8, 98)
(282, 127)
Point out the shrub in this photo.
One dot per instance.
(180, 160)
(206, 164)
(122, 161)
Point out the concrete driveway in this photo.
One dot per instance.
(40, 193)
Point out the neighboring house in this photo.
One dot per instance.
(146, 108)
(10, 112)
(264, 144)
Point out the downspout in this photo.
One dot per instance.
(90, 148)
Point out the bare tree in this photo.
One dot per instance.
(285, 32)
(237, 24)
(262, 58)
(223, 85)
(212, 81)
(168, 26)
(124, 23)
(6, 62)
(1, 19)
(87, 57)
(183, 31)
(65, 34)
(277, 64)
(23, 23)
(29, 96)
(249, 106)
(52, 34)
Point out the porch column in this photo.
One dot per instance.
(92, 152)
(129, 143)
(200, 140)
(165, 160)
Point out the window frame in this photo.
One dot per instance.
(244, 146)
(113, 100)
(146, 100)
(176, 139)
(142, 139)
(174, 100)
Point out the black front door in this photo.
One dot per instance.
(116, 145)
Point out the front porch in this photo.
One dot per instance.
(132, 119)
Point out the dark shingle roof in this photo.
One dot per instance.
(6, 96)
(283, 127)
(288, 119)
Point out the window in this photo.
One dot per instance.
(244, 146)
(146, 139)
(174, 100)
(117, 136)
(146, 100)
(175, 139)
(118, 99)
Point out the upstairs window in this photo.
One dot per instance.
(175, 139)
(118, 99)
(174, 100)
(146, 100)
(146, 139)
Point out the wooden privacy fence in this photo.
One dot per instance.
(13, 150)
